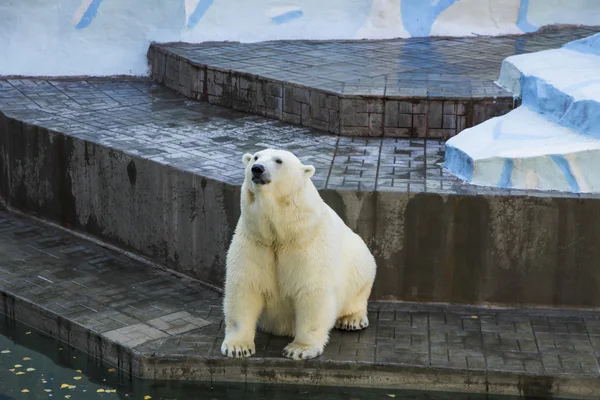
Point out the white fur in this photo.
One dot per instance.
(293, 266)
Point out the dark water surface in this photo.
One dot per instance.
(35, 366)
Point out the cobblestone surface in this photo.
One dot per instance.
(154, 312)
(141, 118)
(417, 88)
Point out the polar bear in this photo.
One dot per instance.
(293, 268)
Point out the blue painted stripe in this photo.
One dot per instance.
(565, 168)
(89, 15)
(287, 17)
(198, 13)
(418, 16)
(459, 163)
(522, 22)
(505, 180)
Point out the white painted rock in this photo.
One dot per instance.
(524, 150)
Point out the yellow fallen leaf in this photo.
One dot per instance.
(68, 396)
(60, 348)
(28, 333)
(100, 390)
(5, 351)
(12, 370)
(112, 369)
(18, 365)
(111, 390)
(474, 316)
(79, 371)
(391, 395)
(72, 386)
(26, 358)
(30, 369)
(77, 378)
(64, 385)
(25, 391)
(47, 390)
(44, 381)
(147, 397)
(20, 373)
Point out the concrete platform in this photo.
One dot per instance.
(409, 88)
(151, 324)
(147, 170)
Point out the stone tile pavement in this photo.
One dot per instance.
(411, 88)
(149, 311)
(141, 118)
(415, 67)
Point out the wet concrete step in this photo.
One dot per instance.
(145, 169)
(418, 87)
(524, 150)
(152, 324)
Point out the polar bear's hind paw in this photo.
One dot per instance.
(352, 322)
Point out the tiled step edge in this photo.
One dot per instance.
(132, 362)
(343, 114)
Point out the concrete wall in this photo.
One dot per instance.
(429, 247)
(110, 37)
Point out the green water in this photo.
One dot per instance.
(35, 366)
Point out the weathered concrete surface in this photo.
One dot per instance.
(179, 219)
(510, 250)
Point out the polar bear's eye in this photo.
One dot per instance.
(278, 161)
(255, 158)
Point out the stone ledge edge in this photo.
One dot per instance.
(191, 79)
(311, 372)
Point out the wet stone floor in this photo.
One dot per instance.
(149, 310)
(143, 119)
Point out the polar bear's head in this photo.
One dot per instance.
(277, 169)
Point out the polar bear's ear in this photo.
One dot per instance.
(308, 171)
(246, 158)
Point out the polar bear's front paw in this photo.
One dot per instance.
(298, 352)
(352, 322)
(237, 348)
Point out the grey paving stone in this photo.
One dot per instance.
(134, 335)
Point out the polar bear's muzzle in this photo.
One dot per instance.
(259, 176)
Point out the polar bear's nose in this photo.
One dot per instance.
(257, 169)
